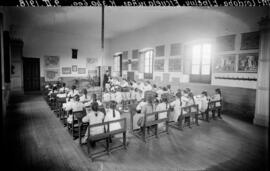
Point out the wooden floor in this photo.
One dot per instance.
(36, 140)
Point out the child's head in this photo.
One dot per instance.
(113, 104)
(218, 91)
(154, 86)
(164, 88)
(64, 84)
(190, 95)
(73, 87)
(169, 87)
(76, 98)
(84, 91)
(178, 94)
(188, 90)
(95, 106)
(185, 93)
(204, 93)
(94, 97)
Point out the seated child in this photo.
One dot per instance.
(217, 96)
(132, 94)
(169, 90)
(93, 117)
(138, 94)
(74, 106)
(85, 97)
(106, 97)
(204, 102)
(176, 104)
(64, 89)
(111, 115)
(163, 105)
(72, 92)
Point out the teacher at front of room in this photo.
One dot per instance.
(106, 79)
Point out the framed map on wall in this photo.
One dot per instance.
(175, 65)
(159, 65)
(226, 43)
(51, 61)
(66, 70)
(250, 40)
(51, 74)
(225, 63)
(248, 62)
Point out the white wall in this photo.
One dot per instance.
(204, 24)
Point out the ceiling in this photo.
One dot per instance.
(86, 21)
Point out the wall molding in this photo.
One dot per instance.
(236, 78)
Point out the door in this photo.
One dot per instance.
(31, 74)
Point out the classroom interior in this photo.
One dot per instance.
(200, 48)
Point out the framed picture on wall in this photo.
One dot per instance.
(90, 62)
(225, 63)
(51, 61)
(226, 43)
(250, 40)
(74, 68)
(51, 74)
(159, 65)
(81, 70)
(66, 70)
(248, 62)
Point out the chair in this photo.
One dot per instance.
(214, 108)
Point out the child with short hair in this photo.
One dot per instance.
(176, 104)
(74, 106)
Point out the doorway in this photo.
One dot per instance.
(31, 74)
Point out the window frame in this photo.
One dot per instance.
(200, 77)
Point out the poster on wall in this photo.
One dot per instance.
(74, 68)
(159, 65)
(250, 40)
(51, 74)
(160, 51)
(66, 70)
(51, 61)
(175, 65)
(91, 62)
(134, 65)
(248, 62)
(225, 63)
(81, 70)
(226, 43)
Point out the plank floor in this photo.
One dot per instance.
(36, 140)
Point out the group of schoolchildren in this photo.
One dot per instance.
(160, 101)
(117, 91)
(76, 101)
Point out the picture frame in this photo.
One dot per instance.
(248, 62)
(81, 70)
(66, 70)
(250, 40)
(51, 74)
(226, 43)
(225, 63)
(51, 61)
(74, 68)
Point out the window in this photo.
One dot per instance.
(117, 60)
(148, 63)
(201, 63)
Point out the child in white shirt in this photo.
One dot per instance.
(176, 104)
(160, 107)
(74, 106)
(106, 97)
(93, 117)
(111, 115)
